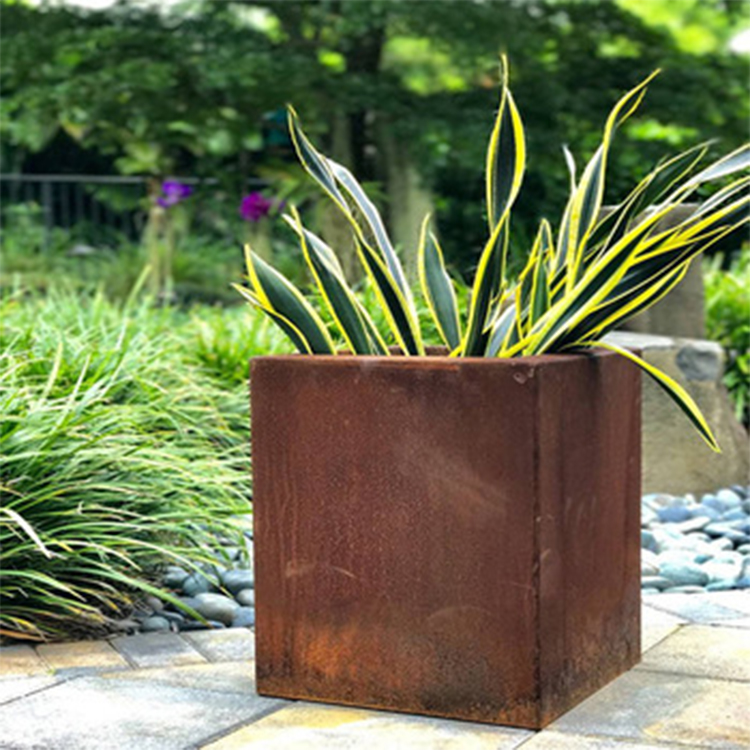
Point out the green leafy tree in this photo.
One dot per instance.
(402, 93)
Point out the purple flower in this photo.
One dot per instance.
(174, 192)
(255, 206)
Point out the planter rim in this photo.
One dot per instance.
(440, 360)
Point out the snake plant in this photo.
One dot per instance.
(579, 283)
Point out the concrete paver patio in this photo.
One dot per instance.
(196, 691)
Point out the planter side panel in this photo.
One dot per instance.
(394, 535)
(589, 541)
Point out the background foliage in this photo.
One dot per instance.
(123, 445)
(728, 322)
(376, 83)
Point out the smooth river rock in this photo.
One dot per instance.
(216, 607)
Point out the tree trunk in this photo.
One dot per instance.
(409, 199)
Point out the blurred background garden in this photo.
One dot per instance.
(143, 142)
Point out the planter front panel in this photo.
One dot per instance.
(400, 524)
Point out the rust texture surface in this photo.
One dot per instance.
(589, 471)
(445, 536)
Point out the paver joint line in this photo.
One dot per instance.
(641, 667)
(124, 655)
(60, 681)
(240, 725)
(192, 644)
(726, 612)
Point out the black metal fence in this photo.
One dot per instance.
(67, 201)
(106, 205)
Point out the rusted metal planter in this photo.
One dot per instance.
(457, 538)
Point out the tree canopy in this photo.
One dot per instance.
(199, 87)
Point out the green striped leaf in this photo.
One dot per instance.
(487, 284)
(737, 161)
(403, 325)
(352, 320)
(279, 296)
(533, 292)
(727, 193)
(437, 287)
(313, 162)
(506, 161)
(597, 282)
(669, 173)
(701, 225)
(371, 215)
(377, 341)
(506, 156)
(649, 191)
(295, 336)
(540, 291)
(500, 331)
(675, 391)
(523, 294)
(382, 264)
(612, 314)
(585, 203)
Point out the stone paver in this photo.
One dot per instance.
(82, 655)
(702, 609)
(309, 726)
(20, 660)
(657, 625)
(13, 688)
(92, 712)
(736, 600)
(549, 740)
(227, 677)
(157, 650)
(233, 644)
(704, 651)
(656, 707)
(743, 623)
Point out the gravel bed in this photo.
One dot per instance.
(691, 545)
(223, 593)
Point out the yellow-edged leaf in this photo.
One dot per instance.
(506, 156)
(675, 391)
(585, 203)
(352, 320)
(437, 287)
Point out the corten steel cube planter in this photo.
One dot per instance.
(452, 537)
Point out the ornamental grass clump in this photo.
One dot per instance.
(579, 283)
(122, 449)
